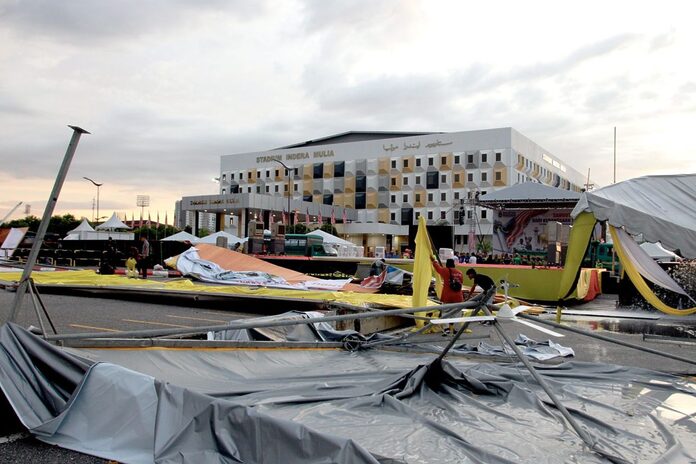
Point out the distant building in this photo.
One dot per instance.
(384, 181)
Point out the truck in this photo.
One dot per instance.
(307, 245)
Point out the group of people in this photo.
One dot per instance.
(137, 263)
(453, 281)
(504, 258)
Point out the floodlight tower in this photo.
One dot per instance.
(142, 201)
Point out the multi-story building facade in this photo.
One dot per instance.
(390, 179)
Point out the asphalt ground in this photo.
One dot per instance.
(72, 314)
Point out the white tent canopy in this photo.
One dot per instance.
(330, 239)
(657, 252)
(84, 226)
(182, 236)
(212, 238)
(662, 208)
(112, 224)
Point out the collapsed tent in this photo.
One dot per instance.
(661, 208)
(12, 240)
(304, 406)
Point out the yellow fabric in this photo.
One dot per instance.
(583, 285)
(577, 246)
(640, 283)
(423, 272)
(92, 279)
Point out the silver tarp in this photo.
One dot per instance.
(328, 405)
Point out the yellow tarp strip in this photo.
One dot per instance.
(422, 272)
(92, 279)
(577, 246)
(639, 281)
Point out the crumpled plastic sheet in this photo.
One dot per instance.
(365, 406)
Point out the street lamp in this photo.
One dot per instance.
(96, 185)
(287, 169)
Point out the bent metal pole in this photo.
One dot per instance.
(43, 225)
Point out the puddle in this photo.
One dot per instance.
(672, 328)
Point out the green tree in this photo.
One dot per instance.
(203, 232)
(329, 229)
(298, 228)
(32, 222)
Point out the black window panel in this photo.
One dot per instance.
(318, 170)
(470, 159)
(432, 180)
(393, 164)
(418, 162)
(456, 160)
(234, 188)
(360, 200)
(360, 184)
(406, 216)
(498, 156)
(328, 199)
(307, 198)
(339, 169)
(484, 157)
(431, 161)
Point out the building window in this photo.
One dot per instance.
(328, 199)
(443, 178)
(268, 173)
(443, 196)
(249, 175)
(277, 172)
(393, 164)
(295, 187)
(443, 161)
(418, 162)
(443, 215)
(223, 191)
(360, 198)
(484, 157)
(456, 177)
(393, 216)
(405, 180)
(393, 181)
(430, 197)
(268, 189)
(258, 189)
(405, 163)
(232, 176)
(498, 156)
(339, 169)
(418, 198)
(498, 175)
(431, 180)
(248, 189)
(224, 176)
(430, 215)
(276, 189)
(405, 197)
(417, 216)
(318, 170)
(470, 177)
(456, 195)
(360, 184)
(417, 180)
(468, 214)
(470, 159)
(431, 161)
(484, 177)
(307, 198)
(456, 159)
(406, 216)
(285, 188)
(483, 214)
(393, 198)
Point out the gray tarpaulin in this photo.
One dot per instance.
(326, 405)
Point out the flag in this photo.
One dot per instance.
(285, 219)
(297, 217)
(149, 223)
(333, 217)
(375, 281)
(320, 218)
(422, 266)
(158, 223)
(165, 219)
(307, 217)
(141, 218)
(344, 215)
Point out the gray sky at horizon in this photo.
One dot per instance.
(167, 87)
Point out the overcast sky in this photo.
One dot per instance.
(168, 86)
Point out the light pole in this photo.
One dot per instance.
(96, 185)
(287, 169)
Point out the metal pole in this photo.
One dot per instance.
(43, 225)
(608, 339)
(582, 433)
(614, 154)
(257, 324)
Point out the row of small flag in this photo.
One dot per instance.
(143, 222)
(320, 219)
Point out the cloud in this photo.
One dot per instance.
(84, 21)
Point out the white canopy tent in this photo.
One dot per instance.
(330, 239)
(112, 224)
(182, 236)
(212, 238)
(657, 252)
(662, 208)
(83, 227)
